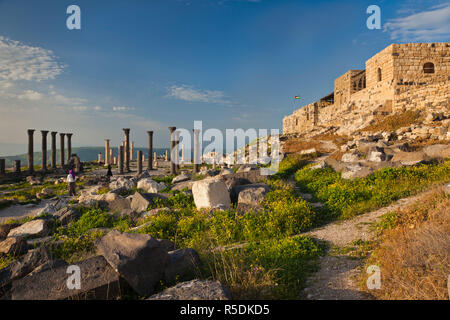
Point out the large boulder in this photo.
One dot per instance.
(210, 193)
(194, 290)
(184, 264)
(151, 186)
(123, 182)
(13, 246)
(67, 215)
(351, 157)
(226, 171)
(356, 171)
(410, 158)
(182, 185)
(5, 228)
(251, 196)
(141, 201)
(34, 228)
(24, 265)
(138, 258)
(181, 177)
(98, 281)
(376, 154)
(114, 201)
(438, 151)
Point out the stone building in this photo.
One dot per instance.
(401, 77)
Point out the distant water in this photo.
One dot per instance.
(85, 154)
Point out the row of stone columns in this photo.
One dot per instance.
(44, 149)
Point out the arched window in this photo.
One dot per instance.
(379, 74)
(428, 67)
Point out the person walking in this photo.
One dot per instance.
(109, 173)
(71, 183)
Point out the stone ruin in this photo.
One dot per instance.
(401, 77)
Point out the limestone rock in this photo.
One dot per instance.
(67, 215)
(98, 281)
(410, 158)
(183, 185)
(5, 228)
(13, 246)
(351, 157)
(151, 186)
(209, 193)
(183, 264)
(438, 151)
(194, 290)
(24, 265)
(181, 177)
(138, 258)
(122, 182)
(226, 171)
(356, 171)
(141, 201)
(34, 228)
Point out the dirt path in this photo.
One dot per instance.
(337, 278)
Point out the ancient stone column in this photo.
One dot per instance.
(120, 159)
(196, 150)
(166, 155)
(99, 157)
(69, 145)
(107, 153)
(44, 149)
(150, 150)
(61, 151)
(30, 151)
(111, 156)
(16, 167)
(53, 155)
(177, 150)
(131, 150)
(173, 169)
(139, 161)
(182, 154)
(127, 149)
(2, 166)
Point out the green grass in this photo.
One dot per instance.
(347, 198)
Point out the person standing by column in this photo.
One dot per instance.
(71, 183)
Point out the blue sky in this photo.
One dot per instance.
(151, 64)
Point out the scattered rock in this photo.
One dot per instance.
(194, 290)
(225, 171)
(154, 212)
(23, 266)
(183, 185)
(251, 196)
(67, 215)
(45, 193)
(34, 228)
(123, 182)
(5, 228)
(98, 281)
(356, 171)
(181, 177)
(166, 244)
(209, 193)
(183, 264)
(438, 151)
(351, 157)
(141, 201)
(410, 158)
(138, 258)
(148, 185)
(33, 180)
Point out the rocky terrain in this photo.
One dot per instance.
(226, 232)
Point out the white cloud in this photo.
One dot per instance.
(432, 25)
(22, 62)
(189, 93)
(30, 95)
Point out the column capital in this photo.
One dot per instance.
(44, 132)
(172, 129)
(69, 135)
(150, 133)
(31, 131)
(62, 134)
(53, 133)
(126, 130)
